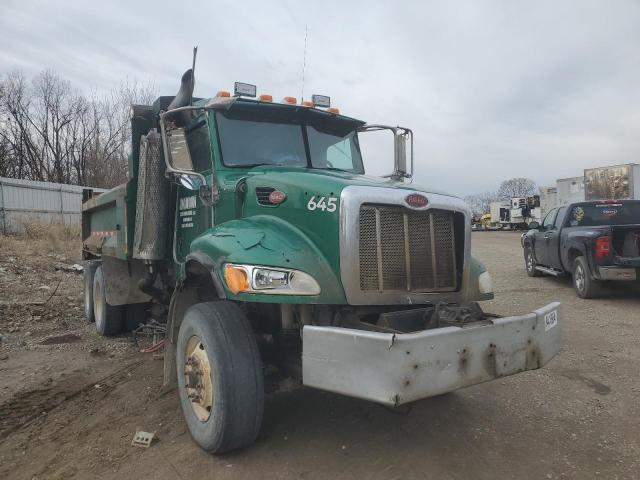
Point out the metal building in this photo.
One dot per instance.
(23, 201)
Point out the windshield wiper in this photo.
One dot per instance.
(251, 165)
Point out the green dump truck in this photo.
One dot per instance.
(250, 229)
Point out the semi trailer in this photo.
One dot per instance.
(619, 182)
(250, 229)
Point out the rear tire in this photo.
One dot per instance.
(583, 284)
(89, 272)
(530, 262)
(109, 320)
(220, 377)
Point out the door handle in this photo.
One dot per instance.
(547, 237)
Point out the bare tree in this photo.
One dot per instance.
(516, 187)
(52, 132)
(480, 203)
(16, 132)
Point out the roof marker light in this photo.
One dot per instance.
(333, 110)
(223, 93)
(321, 101)
(244, 90)
(265, 98)
(307, 103)
(290, 100)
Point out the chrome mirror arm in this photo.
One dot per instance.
(398, 133)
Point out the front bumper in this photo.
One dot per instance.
(399, 368)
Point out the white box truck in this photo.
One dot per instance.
(620, 182)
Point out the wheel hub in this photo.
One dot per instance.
(197, 375)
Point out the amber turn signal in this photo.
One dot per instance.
(236, 278)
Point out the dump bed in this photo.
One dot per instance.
(105, 224)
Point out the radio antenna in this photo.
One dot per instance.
(193, 74)
(304, 62)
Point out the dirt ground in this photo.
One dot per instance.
(70, 401)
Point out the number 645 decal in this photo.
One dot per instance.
(329, 205)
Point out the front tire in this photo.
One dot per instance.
(584, 285)
(530, 262)
(220, 377)
(109, 319)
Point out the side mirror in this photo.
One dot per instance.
(195, 183)
(400, 153)
(179, 155)
(190, 182)
(534, 225)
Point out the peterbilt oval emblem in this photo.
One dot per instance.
(276, 197)
(415, 200)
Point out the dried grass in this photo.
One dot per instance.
(35, 230)
(33, 235)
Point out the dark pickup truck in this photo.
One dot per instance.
(592, 241)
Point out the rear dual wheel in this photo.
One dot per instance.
(109, 319)
(220, 377)
(88, 274)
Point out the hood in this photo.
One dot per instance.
(312, 204)
(334, 180)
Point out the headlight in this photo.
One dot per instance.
(485, 284)
(273, 281)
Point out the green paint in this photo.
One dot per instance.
(239, 230)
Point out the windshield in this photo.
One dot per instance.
(599, 214)
(251, 137)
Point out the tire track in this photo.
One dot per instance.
(25, 407)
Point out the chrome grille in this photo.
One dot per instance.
(406, 250)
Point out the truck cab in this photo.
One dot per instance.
(251, 230)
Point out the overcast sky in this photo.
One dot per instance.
(492, 89)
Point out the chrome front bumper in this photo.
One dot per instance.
(399, 368)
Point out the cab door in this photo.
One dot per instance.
(542, 236)
(553, 240)
(193, 215)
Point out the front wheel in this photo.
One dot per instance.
(530, 262)
(584, 285)
(220, 378)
